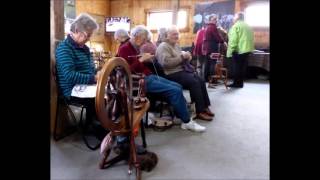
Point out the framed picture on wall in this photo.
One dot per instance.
(98, 35)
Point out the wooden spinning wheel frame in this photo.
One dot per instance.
(114, 106)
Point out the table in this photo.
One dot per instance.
(259, 59)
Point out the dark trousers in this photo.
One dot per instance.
(240, 63)
(89, 103)
(209, 67)
(197, 87)
(201, 60)
(91, 124)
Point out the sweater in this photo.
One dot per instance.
(211, 40)
(197, 51)
(169, 57)
(126, 51)
(74, 65)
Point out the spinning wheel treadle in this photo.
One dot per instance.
(114, 106)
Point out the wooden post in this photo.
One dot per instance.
(57, 34)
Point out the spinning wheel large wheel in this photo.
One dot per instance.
(114, 106)
(114, 89)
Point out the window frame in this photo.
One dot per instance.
(255, 27)
(185, 8)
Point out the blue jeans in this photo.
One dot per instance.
(171, 91)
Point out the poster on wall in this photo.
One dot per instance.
(224, 10)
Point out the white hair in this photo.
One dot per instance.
(138, 31)
(121, 34)
(163, 32)
(84, 22)
(212, 16)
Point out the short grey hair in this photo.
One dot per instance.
(138, 31)
(213, 16)
(163, 32)
(84, 23)
(121, 34)
(240, 16)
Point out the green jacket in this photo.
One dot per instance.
(240, 39)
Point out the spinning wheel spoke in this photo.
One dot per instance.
(115, 108)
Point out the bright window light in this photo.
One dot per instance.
(182, 19)
(156, 20)
(258, 15)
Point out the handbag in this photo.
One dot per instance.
(186, 66)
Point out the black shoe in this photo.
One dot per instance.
(235, 85)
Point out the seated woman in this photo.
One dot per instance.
(74, 62)
(172, 59)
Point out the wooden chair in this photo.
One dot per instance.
(64, 112)
(115, 110)
(221, 73)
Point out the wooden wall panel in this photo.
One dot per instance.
(98, 7)
(138, 16)
(135, 9)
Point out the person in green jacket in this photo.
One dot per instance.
(240, 45)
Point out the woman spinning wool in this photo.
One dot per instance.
(172, 59)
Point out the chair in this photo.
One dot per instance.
(115, 109)
(220, 71)
(63, 102)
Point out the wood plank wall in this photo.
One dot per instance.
(97, 7)
(135, 9)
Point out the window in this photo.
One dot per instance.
(158, 19)
(182, 19)
(258, 15)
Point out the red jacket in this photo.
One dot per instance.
(211, 39)
(197, 51)
(136, 66)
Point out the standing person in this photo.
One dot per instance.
(240, 45)
(210, 45)
(121, 36)
(197, 51)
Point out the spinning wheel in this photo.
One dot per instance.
(220, 71)
(114, 106)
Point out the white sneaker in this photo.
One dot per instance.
(193, 126)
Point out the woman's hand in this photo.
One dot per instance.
(96, 77)
(186, 55)
(146, 57)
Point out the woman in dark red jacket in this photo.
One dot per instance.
(197, 51)
(211, 42)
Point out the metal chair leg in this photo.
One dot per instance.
(143, 135)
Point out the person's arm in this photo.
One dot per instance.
(165, 58)
(66, 66)
(135, 65)
(233, 41)
(195, 43)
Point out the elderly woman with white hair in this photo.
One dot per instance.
(74, 62)
(172, 59)
(130, 51)
(121, 36)
(211, 42)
